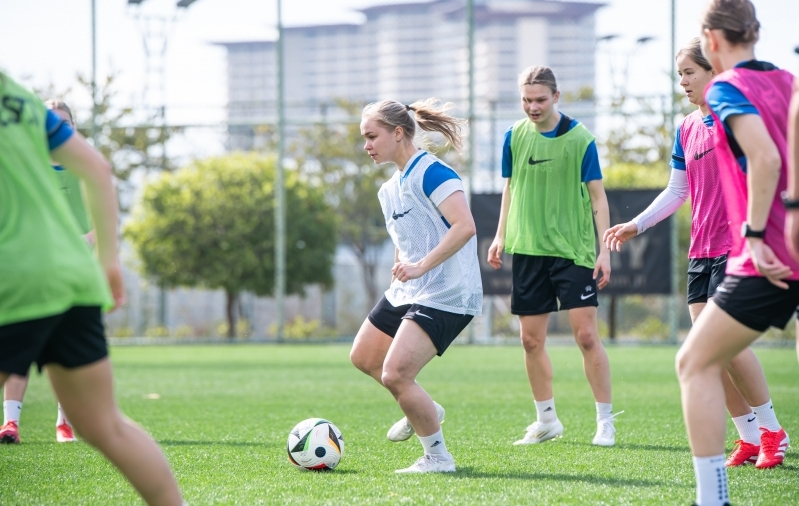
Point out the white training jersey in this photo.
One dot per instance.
(416, 226)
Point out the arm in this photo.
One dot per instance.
(792, 222)
(666, 204)
(763, 174)
(498, 245)
(599, 205)
(396, 261)
(84, 161)
(462, 229)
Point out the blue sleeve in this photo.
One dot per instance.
(507, 156)
(58, 130)
(726, 100)
(435, 176)
(590, 168)
(677, 153)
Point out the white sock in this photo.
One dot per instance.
(747, 428)
(62, 418)
(711, 481)
(766, 417)
(603, 410)
(434, 444)
(545, 411)
(11, 411)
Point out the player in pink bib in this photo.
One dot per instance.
(695, 171)
(749, 102)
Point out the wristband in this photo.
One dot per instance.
(789, 203)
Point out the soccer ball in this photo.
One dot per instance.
(315, 444)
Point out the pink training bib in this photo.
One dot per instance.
(770, 93)
(710, 231)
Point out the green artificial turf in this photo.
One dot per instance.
(224, 414)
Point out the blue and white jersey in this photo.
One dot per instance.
(410, 202)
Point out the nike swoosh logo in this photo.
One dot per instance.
(583, 297)
(720, 289)
(536, 162)
(397, 216)
(750, 420)
(698, 156)
(422, 314)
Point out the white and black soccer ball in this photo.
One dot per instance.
(315, 445)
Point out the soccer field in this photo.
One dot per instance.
(222, 415)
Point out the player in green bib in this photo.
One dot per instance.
(15, 386)
(553, 194)
(53, 288)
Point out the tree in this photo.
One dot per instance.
(332, 157)
(212, 225)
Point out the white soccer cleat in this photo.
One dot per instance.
(539, 432)
(402, 430)
(430, 464)
(605, 431)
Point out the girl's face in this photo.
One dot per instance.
(693, 79)
(381, 143)
(538, 102)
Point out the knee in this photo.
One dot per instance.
(393, 380)
(533, 342)
(684, 364)
(587, 339)
(100, 432)
(362, 360)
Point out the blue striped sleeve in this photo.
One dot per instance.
(440, 182)
(590, 170)
(507, 155)
(677, 153)
(58, 130)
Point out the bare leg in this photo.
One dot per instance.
(86, 395)
(536, 359)
(15, 387)
(595, 360)
(411, 351)
(369, 350)
(3, 377)
(713, 342)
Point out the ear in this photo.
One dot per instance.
(712, 39)
(399, 133)
(557, 97)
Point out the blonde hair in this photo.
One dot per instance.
(59, 105)
(694, 51)
(539, 75)
(735, 18)
(431, 116)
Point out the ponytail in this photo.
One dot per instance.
(431, 116)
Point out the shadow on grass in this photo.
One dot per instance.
(470, 472)
(632, 446)
(173, 442)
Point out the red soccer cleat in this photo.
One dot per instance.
(9, 433)
(743, 453)
(772, 448)
(64, 434)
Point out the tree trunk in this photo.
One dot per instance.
(232, 299)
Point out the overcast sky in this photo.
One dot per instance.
(49, 41)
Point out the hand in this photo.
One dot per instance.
(617, 235)
(89, 238)
(603, 266)
(114, 274)
(792, 231)
(495, 252)
(404, 271)
(767, 263)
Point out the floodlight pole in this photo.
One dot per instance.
(93, 129)
(280, 191)
(472, 129)
(674, 315)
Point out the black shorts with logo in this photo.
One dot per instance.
(704, 275)
(755, 302)
(71, 339)
(539, 282)
(441, 326)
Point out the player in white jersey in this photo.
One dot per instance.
(435, 286)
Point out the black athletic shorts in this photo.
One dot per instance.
(704, 275)
(755, 302)
(441, 326)
(539, 282)
(71, 339)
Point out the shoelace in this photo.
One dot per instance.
(607, 424)
(770, 443)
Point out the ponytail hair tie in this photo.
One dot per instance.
(408, 108)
